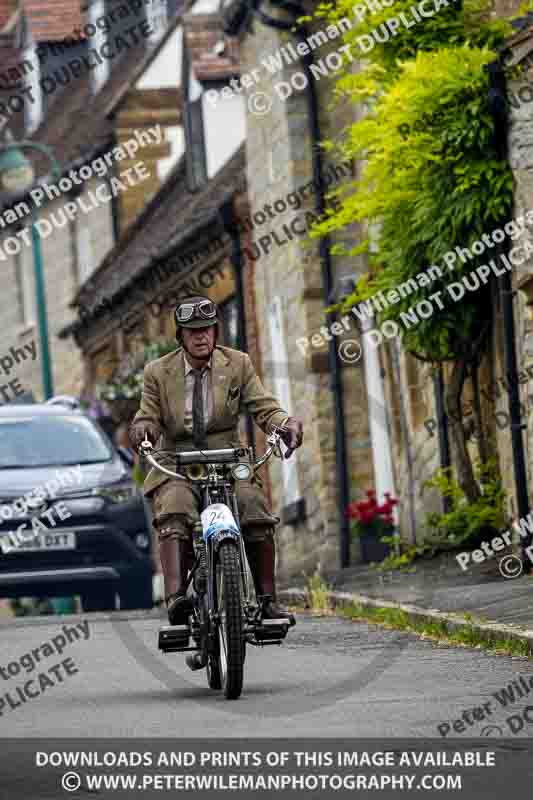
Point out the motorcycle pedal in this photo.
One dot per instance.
(173, 638)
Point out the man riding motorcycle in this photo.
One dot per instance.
(191, 400)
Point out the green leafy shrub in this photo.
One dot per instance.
(430, 179)
(317, 594)
(401, 556)
(467, 523)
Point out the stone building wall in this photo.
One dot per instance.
(520, 145)
(60, 269)
(279, 162)
(419, 392)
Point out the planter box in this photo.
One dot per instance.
(372, 548)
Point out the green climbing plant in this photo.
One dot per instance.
(431, 179)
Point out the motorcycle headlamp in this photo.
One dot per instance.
(195, 472)
(241, 472)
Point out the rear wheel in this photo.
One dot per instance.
(230, 628)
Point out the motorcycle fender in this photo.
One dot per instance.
(218, 521)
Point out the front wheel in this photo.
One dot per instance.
(230, 628)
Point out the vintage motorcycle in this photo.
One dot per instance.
(223, 617)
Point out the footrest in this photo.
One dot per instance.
(270, 629)
(173, 638)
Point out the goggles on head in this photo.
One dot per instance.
(204, 309)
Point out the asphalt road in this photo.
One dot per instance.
(331, 678)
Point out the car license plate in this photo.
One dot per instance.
(44, 541)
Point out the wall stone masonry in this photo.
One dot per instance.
(279, 161)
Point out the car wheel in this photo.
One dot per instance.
(136, 594)
(100, 599)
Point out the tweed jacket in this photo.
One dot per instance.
(236, 388)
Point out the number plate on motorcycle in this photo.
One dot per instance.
(217, 517)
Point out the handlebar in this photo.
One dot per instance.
(214, 456)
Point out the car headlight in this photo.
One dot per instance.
(122, 493)
(241, 472)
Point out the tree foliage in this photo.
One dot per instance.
(432, 179)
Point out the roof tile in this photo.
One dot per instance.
(173, 218)
(53, 20)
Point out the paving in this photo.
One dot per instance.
(439, 586)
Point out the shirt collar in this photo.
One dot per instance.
(188, 367)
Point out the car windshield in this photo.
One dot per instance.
(43, 441)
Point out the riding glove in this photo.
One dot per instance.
(293, 435)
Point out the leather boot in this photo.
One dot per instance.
(262, 559)
(175, 559)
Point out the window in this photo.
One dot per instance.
(25, 293)
(83, 252)
(156, 16)
(51, 441)
(34, 98)
(101, 73)
(280, 376)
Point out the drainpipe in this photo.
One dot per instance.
(501, 122)
(115, 205)
(444, 440)
(325, 259)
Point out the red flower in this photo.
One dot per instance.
(369, 511)
(391, 500)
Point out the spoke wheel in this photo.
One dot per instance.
(230, 628)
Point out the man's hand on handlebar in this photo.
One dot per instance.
(292, 435)
(142, 431)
